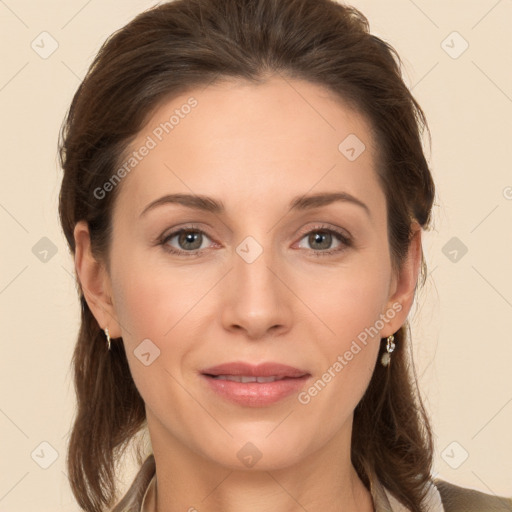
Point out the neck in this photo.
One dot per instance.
(323, 480)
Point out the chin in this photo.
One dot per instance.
(257, 450)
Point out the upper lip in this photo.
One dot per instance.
(250, 370)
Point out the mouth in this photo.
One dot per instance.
(248, 378)
(254, 386)
(241, 369)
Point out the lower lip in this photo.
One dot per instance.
(256, 394)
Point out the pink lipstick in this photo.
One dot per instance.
(255, 385)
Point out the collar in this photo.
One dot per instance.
(384, 501)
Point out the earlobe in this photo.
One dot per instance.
(404, 284)
(94, 281)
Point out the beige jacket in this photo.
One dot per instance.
(442, 496)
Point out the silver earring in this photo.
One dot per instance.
(386, 357)
(108, 337)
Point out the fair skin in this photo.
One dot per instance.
(254, 148)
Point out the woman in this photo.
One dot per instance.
(244, 194)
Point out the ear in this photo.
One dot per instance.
(95, 281)
(403, 285)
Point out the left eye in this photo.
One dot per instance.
(322, 239)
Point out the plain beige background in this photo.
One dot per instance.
(462, 322)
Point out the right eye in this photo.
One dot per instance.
(189, 241)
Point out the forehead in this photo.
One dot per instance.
(235, 136)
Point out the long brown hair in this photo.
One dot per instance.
(183, 44)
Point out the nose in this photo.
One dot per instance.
(255, 298)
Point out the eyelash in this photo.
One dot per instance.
(342, 237)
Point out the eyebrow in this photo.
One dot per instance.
(300, 203)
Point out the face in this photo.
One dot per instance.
(264, 274)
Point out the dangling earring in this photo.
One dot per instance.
(386, 357)
(108, 337)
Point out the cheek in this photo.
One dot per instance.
(348, 300)
(153, 298)
(347, 303)
(347, 358)
(160, 305)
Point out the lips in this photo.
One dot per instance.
(246, 378)
(245, 372)
(254, 385)
(251, 385)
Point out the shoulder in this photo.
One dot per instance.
(463, 499)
